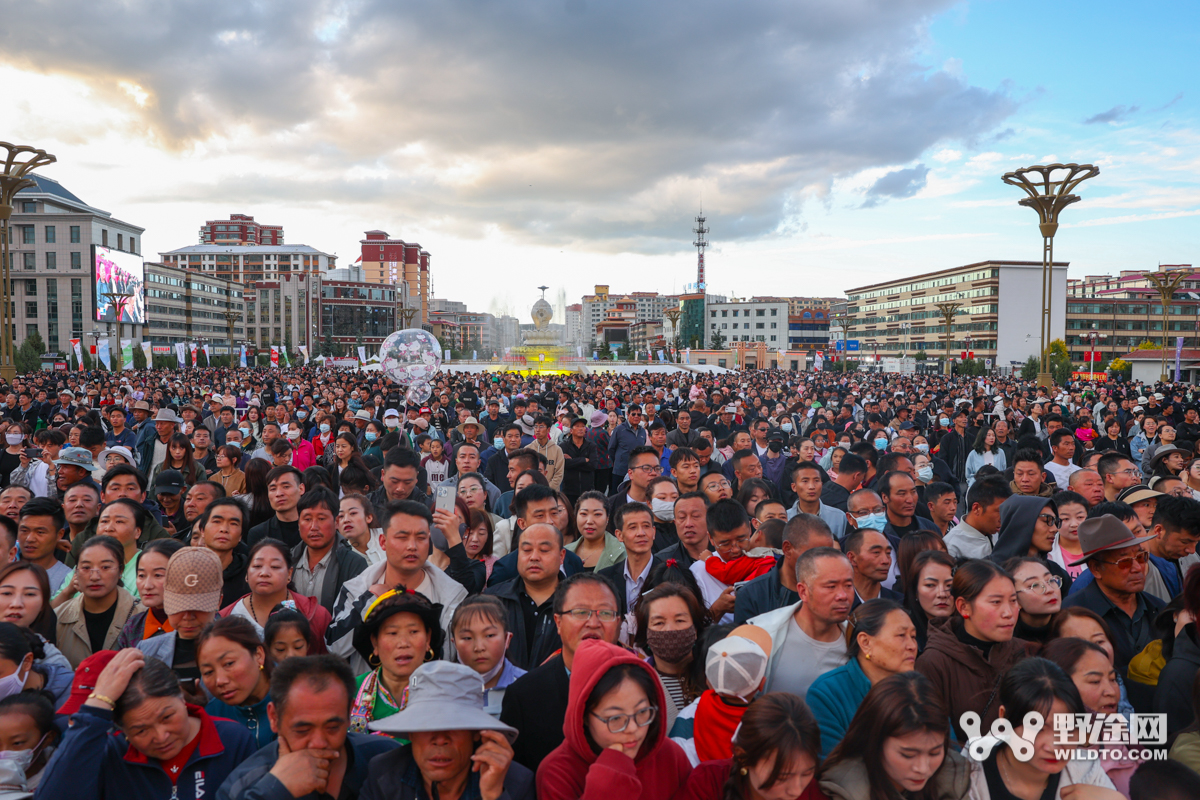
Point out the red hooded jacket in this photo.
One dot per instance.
(574, 772)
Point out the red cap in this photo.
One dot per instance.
(84, 682)
(425, 410)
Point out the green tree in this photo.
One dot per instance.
(201, 358)
(139, 357)
(716, 341)
(1146, 344)
(327, 345)
(28, 357)
(1060, 362)
(920, 355)
(1029, 370)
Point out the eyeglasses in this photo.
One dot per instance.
(619, 722)
(1042, 588)
(1049, 519)
(649, 469)
(1136, 473)
(1126, 564)
(584, 614)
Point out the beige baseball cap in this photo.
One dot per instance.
(193, 581)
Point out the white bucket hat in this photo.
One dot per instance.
(443, 697)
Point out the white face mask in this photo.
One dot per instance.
(663, 510)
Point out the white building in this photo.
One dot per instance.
(749, 321)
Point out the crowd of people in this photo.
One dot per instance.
(763, 585)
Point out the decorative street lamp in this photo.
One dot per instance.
(1166, 282)
(1093, 335)
(1048, 196)
(19, 163)
(948, 311)
(408, 314)
(905, 327)
(674, 314)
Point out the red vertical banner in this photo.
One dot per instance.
(274, 356)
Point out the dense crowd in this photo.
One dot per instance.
(763, 585)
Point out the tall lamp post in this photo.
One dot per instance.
(905, 327)
(118, 301)
(1093, 336)
(949, 310)
(673, 314)
(841, 318)
(1166, 282)
(1048, 196)
(230, 317)
(19, 163)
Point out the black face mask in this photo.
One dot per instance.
(775, 447)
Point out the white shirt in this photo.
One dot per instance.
(710, 587)
(964, 541)
(1062, 473)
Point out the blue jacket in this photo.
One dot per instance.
(94, 763)
(762, 594)
(253, 779)
(621, 444)
(252, 718)
(834, 698)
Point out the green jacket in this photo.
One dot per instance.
(613, 553)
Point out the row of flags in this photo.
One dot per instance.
(185, 353)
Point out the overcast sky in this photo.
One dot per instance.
(831, 143)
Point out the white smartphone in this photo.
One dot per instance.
(445, 499)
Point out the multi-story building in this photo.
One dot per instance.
(182, 306)
(240, 229)
(350, 308)
(637, 306)
(507, 333)
(52, 232)
(647, 335)
(998, 314)
(798, 305)
(283, 312)
(808, 330)
(251, 263)
(749, 321)
(574, 325)
(1124, 310)
(393, 262)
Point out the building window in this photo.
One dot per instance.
(27, 234)
(773, 325)
(760, 325)
(735, 312)
(132, 245)
(104, 238)
(76, 260)
(774, 312)
(51, 260)
(74, 234)
(31, 330)
(29, 260)
(50, 235)
(28, 207)
(726, 314)
(31, 310)
(759, 312)
(772, 338)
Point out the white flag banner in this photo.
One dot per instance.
(207, 354)
(102, 353)
(303, 351)
(148, 351)
(362, 354)
(445, 356)
(474, 355)
(660, 355)
(687, 355)
(181, 354)
(243, 358)
(76, 345)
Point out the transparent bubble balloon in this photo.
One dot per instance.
(418, 393)
(409, 356)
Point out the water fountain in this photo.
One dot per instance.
(541, 352)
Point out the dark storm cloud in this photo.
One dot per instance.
(898, 183)
(586, 122)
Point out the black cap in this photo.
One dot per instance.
(169, 481)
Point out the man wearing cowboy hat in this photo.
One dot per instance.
(457, 749)
(152, 450)
(1118, 563)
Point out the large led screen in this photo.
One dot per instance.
(120, 284)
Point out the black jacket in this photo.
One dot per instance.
(388, 778)
(615, 575)
(235, 587)
(536, 705)
(1173, 696)
(545, 639)
(764, 593)
(346, 563)
(379, 497)
(496, 470)
(579, 468)
(953, 449)
(272, 530)
(1018, 517)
